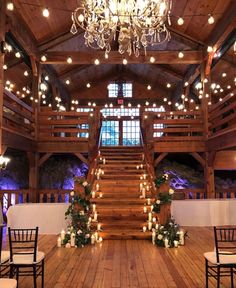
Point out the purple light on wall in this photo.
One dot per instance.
(8, 184)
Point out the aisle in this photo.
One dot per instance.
(127, 263)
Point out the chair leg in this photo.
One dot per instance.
(206, 272)
(11, 271)
(42, 273)
(232, 277)
(218, 276)
(35, 276)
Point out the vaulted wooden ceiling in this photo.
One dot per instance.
(53, 34)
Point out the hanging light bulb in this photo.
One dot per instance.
(180, 21)
(45, 12)
(211, 19)
(3, 162)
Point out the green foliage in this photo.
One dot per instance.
(161, 180)
(170, 231)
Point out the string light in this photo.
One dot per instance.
(88, 85)
(4, 67)
(43, 58)
(149, 87)
(96, 62)
(152, 59)
(69, 60)
(180, 21)
(181, 55)
(26, 73)
(45, 12)
(209, 49)
(125, 62)
(17, 54)
(67, 82)
(10, 6)
(168, 85)
(211, 19)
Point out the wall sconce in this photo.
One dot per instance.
(3, 162)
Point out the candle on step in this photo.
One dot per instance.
(59, 242)
(94, 207)
(100, 239)
(93, 194)
(149, 225)
(99, 152)
(144, 228)
(143, 193)
(152, 207)
(176, 243)
(63, 235)
(72, 240)
(97, 187)
(96, 236)
(144, 209)
(153, 237)
(95, 216)
(141, 177)
(100, 195)
(93, 239)
(99, 227)
(104, 161)
(150, 216)
(144, 176)
(149, 201)
(157, 225)
(137, 167)
(98, 176)
(142, 156)
(147, 188)
(141, 166)
(154, 219)
(141, 186)
(166, 242)
(181, 237)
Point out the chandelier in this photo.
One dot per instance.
(3, 162)
(135, 24)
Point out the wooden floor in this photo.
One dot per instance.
(127, 263)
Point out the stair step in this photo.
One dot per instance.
(119, 201)
(125, 234)
(119, 182)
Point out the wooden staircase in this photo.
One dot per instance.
(120, 210)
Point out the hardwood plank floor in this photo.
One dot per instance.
(127, 263)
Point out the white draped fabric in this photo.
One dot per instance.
(49, 217)
(212, 212)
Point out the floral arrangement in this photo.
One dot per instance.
(164, 197)
(170, 235)
(78, 213)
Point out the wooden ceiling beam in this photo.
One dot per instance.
(170, 71)
(72, 70)
(161, 57)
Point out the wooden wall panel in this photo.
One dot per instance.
(179, 147)
(225, 160)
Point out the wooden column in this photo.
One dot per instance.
(2, 57)
(208, 168)
(35, 92)
(33, 158)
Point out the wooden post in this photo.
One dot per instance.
(208, 169)
(2, 58)
(33, 158)
(35, 93)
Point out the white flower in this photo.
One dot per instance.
(79, 232)
(166, 176)
(161, 227)
(159, 237)
(81, 212)
(171, 191)
(67, 245)
(158, 202)
(72, 193)
(85, 183)
(87, 236)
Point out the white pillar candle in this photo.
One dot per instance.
(96, 236)
(153, 237)
(63, 235)
(99, 227)
(147, 188)
(99, 152)
(137, 167)
(93, 239)
(144, 209)
(93, 194)
(104, 161)
(154, 219)
(98, 176)
(149, 225)
(72, 240)
(89, 219)
(144, 228)
(102, 172)
(59, 242)
(141, 187)
(141, 166)
(142, 156)
(157, 225)
(181, 237)
(152, 207)
(95, 217)
(94, 207)
(144, 176)
(166, 242)
(143, 193)
(150, 216)
(141, 177)
(100, 195)
(176, 243)
(97, 187)
(100, 239)
(149, 201)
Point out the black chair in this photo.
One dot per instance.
(4, 256)
(222, 261)
(25, 260)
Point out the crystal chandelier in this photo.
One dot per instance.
(3, 162)
(135, 24)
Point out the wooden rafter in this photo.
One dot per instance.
(160, 158)
(82, 158)
(71, 70)
(162, 57)
(198, 158)
(44, 158)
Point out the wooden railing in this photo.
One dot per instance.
(195, 193)
(178, 126)
(222, 116)
(63, 126)
(18, 117)
(11, 197)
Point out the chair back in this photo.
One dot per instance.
(23, 242)
(225, 241)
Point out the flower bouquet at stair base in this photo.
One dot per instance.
(78, 213)
(169, 235)
(165, 193)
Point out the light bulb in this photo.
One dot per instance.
(26, 73)
(152, 59)
(125, 62)
(88, 85)
(149, 87)
(17, 54)
(168, 85)
(96, 62)
(43, 58)
(211, 20)
(181, 55)
(45, 12)
(180, 21)
(69, 60)
(67, 82)
(10, 6)
(209, 49)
